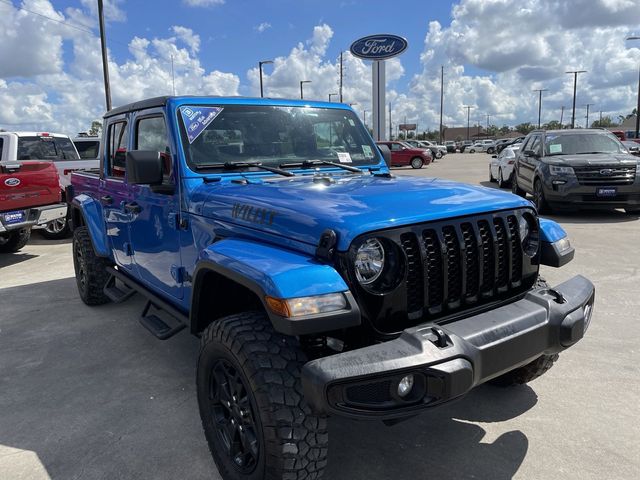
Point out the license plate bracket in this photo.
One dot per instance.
(11, 218)
(607, 192)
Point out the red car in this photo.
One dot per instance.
(403, 154)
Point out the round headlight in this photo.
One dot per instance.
(369, 261)
(528, 235)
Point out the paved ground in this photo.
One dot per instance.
(87, 393)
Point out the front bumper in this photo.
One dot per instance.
(573, 194)
(448, 360)
(34, 216)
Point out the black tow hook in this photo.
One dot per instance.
(557, 296)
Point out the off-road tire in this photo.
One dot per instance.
(50, 234)
(417, 162)
(293, 441)
(91, 270)
(15, 240)
(531, 370)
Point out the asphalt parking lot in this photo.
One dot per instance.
(88, 393)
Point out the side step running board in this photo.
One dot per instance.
(116, 294)
(152, 321)
(156, 325)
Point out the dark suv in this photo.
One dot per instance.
(577, 168)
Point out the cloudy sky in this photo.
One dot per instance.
(495, 52)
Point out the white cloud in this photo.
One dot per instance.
(202, 3)
(42, 93)
(112, 9)
(263, 26)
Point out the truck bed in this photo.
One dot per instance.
(28, 184)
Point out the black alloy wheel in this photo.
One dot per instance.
(234, 416)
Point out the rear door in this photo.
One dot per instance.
(530, 158)
(115, 193)
(155, 226)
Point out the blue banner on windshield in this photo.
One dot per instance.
(196, 119)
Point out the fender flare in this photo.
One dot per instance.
(268, 270)
(91, 212)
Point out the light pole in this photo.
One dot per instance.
(575, 83)
(301, 83)
(333, 95)
(588, 105)
(638, 107)
(468, 107)
(264, 62)
(441, 101)
(561, 116)
(540, 90)
(105, 62)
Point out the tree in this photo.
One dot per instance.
(492, 130)
(606, 122)
(552, 125)
(96, 128)
(505, 129)
(524, 128)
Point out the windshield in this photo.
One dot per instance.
(581, 143)
(88, 149)
(273, 135)
(46, 148)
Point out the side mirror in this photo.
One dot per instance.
(529, 153)
(386, 154)
(144, 167)
(494, 156)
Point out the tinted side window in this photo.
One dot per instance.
(117, 149)
(66, 149)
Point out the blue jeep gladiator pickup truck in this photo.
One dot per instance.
(318, 282)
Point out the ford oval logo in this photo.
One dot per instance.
(12, 182)
(379, 47)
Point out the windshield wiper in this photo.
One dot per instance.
(315, 163)
(233, 166)
(591, 153)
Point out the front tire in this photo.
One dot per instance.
(472, 151)
(532, 370)
(417, 162)
(490, 150)
(91, 270)
(438, 155)
(15, 240)
(254, 415)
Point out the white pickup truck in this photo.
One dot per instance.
(54, 147)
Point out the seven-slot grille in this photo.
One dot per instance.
(455, 264)
(605, 175)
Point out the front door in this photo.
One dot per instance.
(115, 193)
(155, 226)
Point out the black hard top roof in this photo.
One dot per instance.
(141, 105)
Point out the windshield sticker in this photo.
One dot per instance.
(555, 148)
(196, 119)
(366, 149)
(344, 157)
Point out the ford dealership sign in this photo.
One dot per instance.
(378, 47)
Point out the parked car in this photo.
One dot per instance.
(465, 145)
(501, 166)
(29, 197)
(437, 151)
(318, 283)
(513, 141)
(577, 168)
(632, 147)
(403, 154)
(88, 146)
(482, 146)
(52, 147)
(451, 146)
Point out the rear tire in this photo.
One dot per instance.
(491, 179)
(91, 270)
(472, 151)
(532, 370)
(515, 189)
(254, 415)
(438, 155)
(15, 240)
(501, 181)
(538, 198)
(417, 162)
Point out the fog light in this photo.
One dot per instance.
(588, 311)
(405, 385)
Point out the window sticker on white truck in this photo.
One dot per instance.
(196, 119)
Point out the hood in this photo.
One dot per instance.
(589, 159)
(302, 207)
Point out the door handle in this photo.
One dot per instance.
(107, 199)
(132, 207)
